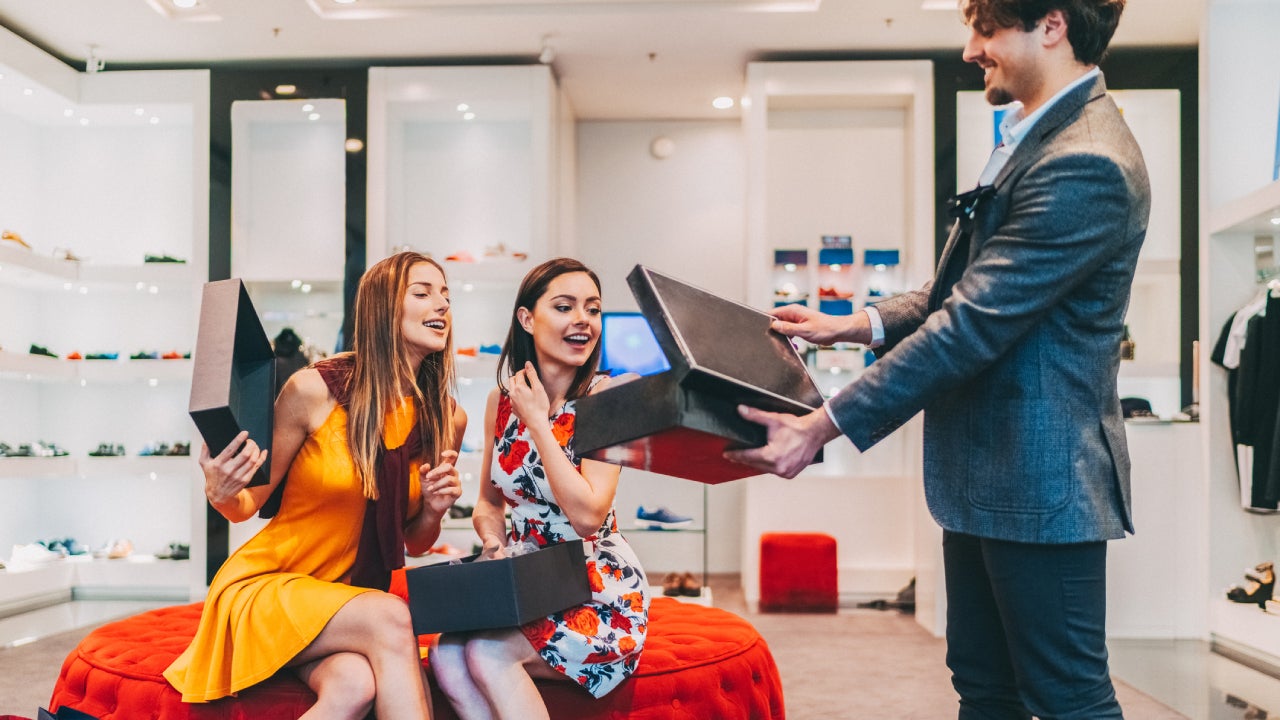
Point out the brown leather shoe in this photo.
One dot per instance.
(690, 586)
(671, 584)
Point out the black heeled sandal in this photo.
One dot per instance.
(1262, 582)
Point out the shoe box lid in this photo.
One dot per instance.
(723, 347)
(233, 373)
(722, 354)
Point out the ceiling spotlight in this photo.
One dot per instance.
(184, 4)
(724, 102)
(68, 112)
(308, 108)
(286, 89)
(313, 116)
(155, 120)
(138, 111)
(463, 107)
(1275, 220)
(469, 116)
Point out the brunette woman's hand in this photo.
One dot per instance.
(492, 549)
(441, 487)
(230, 471)
(528, 398)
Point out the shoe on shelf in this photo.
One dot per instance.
(107, 450)
(40, 350)
(31, 555)
(660, 518)
(14, 237)
(145, 355)
(1259, 588)
(117, 549)
(690, 585)
(149, 258)
(175, 551)
(75, 355)
(671, 584)
(65, 254)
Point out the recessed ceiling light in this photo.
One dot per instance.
(724, 102)
(286, 89)
(184, 4)
(469, 116)
(68, 112)
(155, 120)
(27, 91)
(84, 121)
(1275, 220)
(344, 2)
(138, 111)
(463, 107)
(308, 108)
(313, 116)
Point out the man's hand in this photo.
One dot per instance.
(796, 320)
(792, 440)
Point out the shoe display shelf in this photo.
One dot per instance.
(1240, 226)
(81, 577)
(111, 168)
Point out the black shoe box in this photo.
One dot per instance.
(233, 373)
(679, 422)
(506, 592)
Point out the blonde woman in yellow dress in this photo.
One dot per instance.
(366, 441)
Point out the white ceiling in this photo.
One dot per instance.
(616, 59)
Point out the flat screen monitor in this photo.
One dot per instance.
(627, 345)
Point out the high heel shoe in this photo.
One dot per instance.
(1261, 585)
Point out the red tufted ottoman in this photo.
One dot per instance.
(798, 573)
(698, 662)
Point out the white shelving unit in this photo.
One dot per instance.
(1240, 94)
(111, 167)
(840, 148)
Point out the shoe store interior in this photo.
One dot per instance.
(765, 151)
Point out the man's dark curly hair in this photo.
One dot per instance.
(1090, 23)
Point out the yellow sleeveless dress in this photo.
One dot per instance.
(275, 594)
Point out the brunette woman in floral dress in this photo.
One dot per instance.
(530, 467)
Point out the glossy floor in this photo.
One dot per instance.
(1191, 679)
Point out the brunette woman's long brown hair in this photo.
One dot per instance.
(382, 372)
(518, 347)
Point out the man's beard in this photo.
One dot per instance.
(998, 96)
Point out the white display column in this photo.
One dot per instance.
(845, 149)
(467, 165)
(101, 171)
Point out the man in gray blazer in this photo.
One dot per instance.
(1012, 353)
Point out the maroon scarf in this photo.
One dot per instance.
(381, 547)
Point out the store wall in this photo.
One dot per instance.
(683, 215)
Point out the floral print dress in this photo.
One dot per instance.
(596, 644)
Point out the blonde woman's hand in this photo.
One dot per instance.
(528, 398)
(441, 487)
(230, 471)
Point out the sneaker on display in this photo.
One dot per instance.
(660, 518)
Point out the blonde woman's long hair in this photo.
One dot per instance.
(381, 371)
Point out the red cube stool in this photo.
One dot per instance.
(798, 573)
(698, 662)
